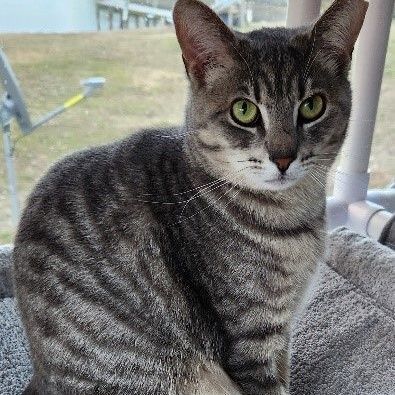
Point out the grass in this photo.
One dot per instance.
(145, 86)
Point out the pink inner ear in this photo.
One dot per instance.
(196, 57)
(203, 37)
(203, 50)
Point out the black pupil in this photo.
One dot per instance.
(310, 104)
(244, 107)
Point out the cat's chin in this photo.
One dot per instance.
(275, 184)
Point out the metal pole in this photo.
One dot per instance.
(352, 178)
(9, 162)
(242, 14)
(98, 18)
(302, 12)
(125, 15)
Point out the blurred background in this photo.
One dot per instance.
(53, 44)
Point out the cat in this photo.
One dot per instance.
(173, 262)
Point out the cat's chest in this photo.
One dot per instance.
(259, 234)
(264, 263)
(264, 277)
(247, 247)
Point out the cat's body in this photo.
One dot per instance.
(143, 268)
(114, 274)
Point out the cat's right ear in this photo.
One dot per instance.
(207, 44)
(335, 33)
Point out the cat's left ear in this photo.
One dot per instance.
(207, 44)
(335, 33)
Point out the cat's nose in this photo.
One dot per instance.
(283, 163)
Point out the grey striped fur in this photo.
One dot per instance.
(169, 262)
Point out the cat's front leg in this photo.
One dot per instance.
(260, 366)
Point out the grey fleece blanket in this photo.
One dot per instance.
(15, 368)
(343, 341)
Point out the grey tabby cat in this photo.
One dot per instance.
(172, 262)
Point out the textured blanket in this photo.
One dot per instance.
(5, 272)
(343, 341)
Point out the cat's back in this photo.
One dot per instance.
(132, 154)
(97, 178)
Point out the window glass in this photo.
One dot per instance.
(145, 87)
(268, 13)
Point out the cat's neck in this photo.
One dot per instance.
(302, 201)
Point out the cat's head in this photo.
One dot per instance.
(269, 108)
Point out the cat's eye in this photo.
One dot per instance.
(312, 108)
(244, 112)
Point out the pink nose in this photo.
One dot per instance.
(283, 163)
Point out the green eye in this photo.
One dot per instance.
(312, 108)
(244, 112)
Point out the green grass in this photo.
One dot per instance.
(145, 87)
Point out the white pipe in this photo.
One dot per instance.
(383, 197)
(366, 81)
(379, 207)
(350, 187)
(302, 12)
(368, 218)
(377, 222)
(336, 213)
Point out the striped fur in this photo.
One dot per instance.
(155, 265)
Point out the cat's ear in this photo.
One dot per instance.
(207, 44)
(336, 32)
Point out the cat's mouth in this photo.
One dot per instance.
(282, 179)
(279, 183)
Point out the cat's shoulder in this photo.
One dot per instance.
(132, 153)
(133, 148)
